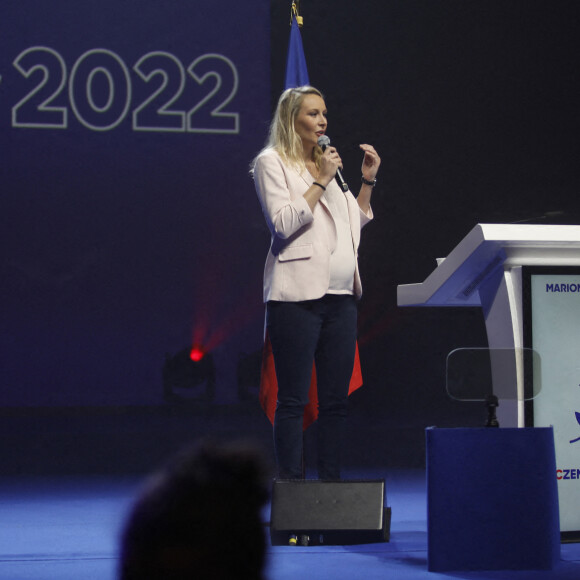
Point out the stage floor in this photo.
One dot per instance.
(66, 528)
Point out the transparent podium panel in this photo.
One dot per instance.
(488, 375)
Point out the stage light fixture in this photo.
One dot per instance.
(196, 354)
(189, 376)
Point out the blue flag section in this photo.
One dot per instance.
(126, 131)
(296, 70)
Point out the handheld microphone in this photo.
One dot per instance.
(323, 143)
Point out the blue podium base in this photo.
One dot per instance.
(492, 499)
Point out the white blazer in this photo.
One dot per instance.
(298, 262)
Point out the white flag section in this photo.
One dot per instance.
(556, 337)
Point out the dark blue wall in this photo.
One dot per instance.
(127, 216)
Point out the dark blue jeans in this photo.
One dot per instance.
(322, 331)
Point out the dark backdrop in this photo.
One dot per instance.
(473, 107)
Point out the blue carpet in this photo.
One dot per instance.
(66, 528)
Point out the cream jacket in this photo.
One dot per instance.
(298, 262)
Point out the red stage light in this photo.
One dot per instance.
(196, 354)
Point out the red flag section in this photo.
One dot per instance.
(269, 386)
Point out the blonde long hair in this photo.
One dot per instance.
(282, 136)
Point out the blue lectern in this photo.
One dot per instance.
(492, 499)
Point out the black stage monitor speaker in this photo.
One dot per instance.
(311, 512)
